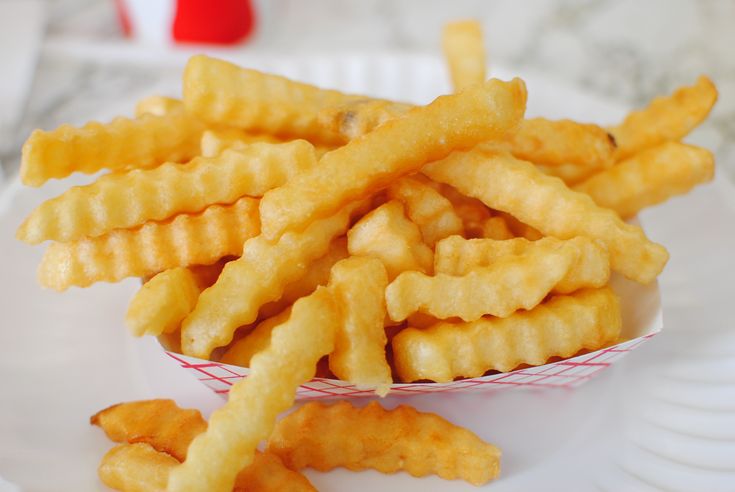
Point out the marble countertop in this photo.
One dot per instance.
(626, 51)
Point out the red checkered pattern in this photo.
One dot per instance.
(562, 374)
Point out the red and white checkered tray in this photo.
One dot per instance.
(641, 308)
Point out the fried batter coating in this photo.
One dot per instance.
(339, 435)
(587, 319)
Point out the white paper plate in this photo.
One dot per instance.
(662, 419)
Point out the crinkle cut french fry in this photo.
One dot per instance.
(241, 352)
(249, 416)
(665, 118)
(545, 203)
(142, 142)
(160, 423)
(259, 276)
(361, 116)
(324, 437)
(214, 142)
(587, 319)
(496, 228)
(650, 177)
(158, 106)
(124, 200)
(162, 303)
(386, 234)
(458, 256)
(464, 52)
(557, 142)
(427, 208)
(159, 433)
(317, 274)
(504, 286)
(571, 174)
(199, 239)
(392, 150)
(219, 92)
(136, 467)
(358, 285)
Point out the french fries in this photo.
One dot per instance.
(386, 234)
(427, 208)
(392, 150)
(317, 274)
(339, 435)
(222, 93)
(198, 239)
(650, 177)
(563, 142)
(298, 231)
(465, 53)
(159, 423)
(546, 204)
(163, 302)
(502, 287)
(665, 118)
(457, 256)
(163, 192)
(259, 276)
(136, 468)
(215, 457)
(158, 434)
(358, 285)
(143, 142)
(587, 319)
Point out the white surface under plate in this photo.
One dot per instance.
(662, 419)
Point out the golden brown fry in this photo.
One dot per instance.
(140, 468)
(324, 437)
(158, 106)
(518, 228)
(650, 177)
(545, 203)
(160, 423)
(472, 211)
(508, 283)
(162, 303)
(214, 142)
(222, 93)
(259, 276)
(123, 143)
(206, 275)
(665, 118)
(427, 208)
(136, 468)
(464, 52)
(159, 433)
(124, 200)
(457, 256)
(386, 234)
(317, 274)
(200, 239)
(358, 286)
(496, 228)
(588, 319)
(215, 457)
(358, 117)
(557, 142)
(392, 150)
(241, 352)
(571, 174)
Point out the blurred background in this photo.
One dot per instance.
(64, 60)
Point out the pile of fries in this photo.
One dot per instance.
(278, 224)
